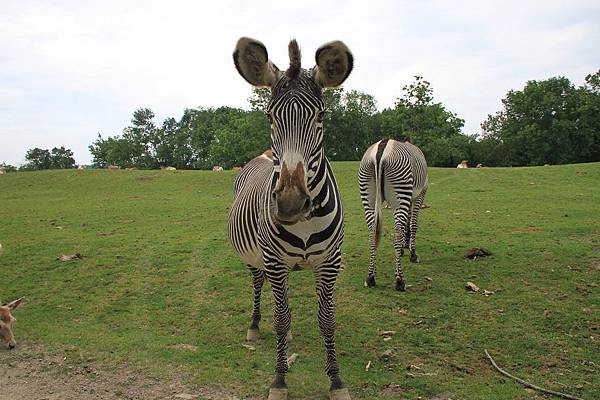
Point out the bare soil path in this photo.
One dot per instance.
(33, 373)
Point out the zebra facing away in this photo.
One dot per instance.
(287, 213)
(397, 173)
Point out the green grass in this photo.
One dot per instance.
(158, 271)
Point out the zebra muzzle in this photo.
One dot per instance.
(292, 208)
(292, 199)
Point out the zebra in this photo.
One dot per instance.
(287, 213)
(396, 172)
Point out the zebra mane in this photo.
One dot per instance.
(294, 52)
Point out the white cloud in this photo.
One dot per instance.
(70, 69)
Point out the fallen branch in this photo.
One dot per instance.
(530, 385)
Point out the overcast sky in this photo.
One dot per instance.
(72, 69)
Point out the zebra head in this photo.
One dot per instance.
(295, 111)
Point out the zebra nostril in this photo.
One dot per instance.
(11, 346)
(307, 205)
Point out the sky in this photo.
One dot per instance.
(70, 70)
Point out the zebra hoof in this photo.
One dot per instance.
(370, 281)
(339, 394)
(400, 286)
(278, 394)
(252, 335)
(414, 258)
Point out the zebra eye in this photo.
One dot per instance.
(320, 116)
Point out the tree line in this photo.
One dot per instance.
(57, 158)
(547, 122)
(228, 137)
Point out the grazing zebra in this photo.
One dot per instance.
(397, 173)
(287, 213)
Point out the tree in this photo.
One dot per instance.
(589, 113)
(38, 159)
(592, 82)
(427, 124)
(260, 99)
(350, 123)
(240, 139)
(143, 139)
(99, 150)
(488, 151)
(137, 147)
(549, 121)
(201, 126)
(187, 143)
(59, 158)
(62, 158)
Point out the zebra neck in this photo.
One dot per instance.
(318, 181)
(324, 195)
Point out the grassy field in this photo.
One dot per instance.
(159, 277)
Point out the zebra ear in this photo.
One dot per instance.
(252, 62)
(334, 64)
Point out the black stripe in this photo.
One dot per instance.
(319, 237)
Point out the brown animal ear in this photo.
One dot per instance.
(334, 64)
(14, 304)
(252, 62)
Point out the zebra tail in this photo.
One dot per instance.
(379, 197)
(379, 189)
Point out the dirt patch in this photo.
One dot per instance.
(146, 178)
(391, 390)
(185, 346)
(31, 372)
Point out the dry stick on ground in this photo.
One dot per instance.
(530, 385)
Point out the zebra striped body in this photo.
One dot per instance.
(395, 172)
(287, 214)
(257, 236)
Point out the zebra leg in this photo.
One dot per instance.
(414, 225)
(406, 239)
(325, 281)
(373, 242)
(369, 199)
(278, 278)
(258, 279)
(400, 220)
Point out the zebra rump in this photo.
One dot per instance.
(394, 172)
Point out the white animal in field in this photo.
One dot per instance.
(463, 164)
(217, 168)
